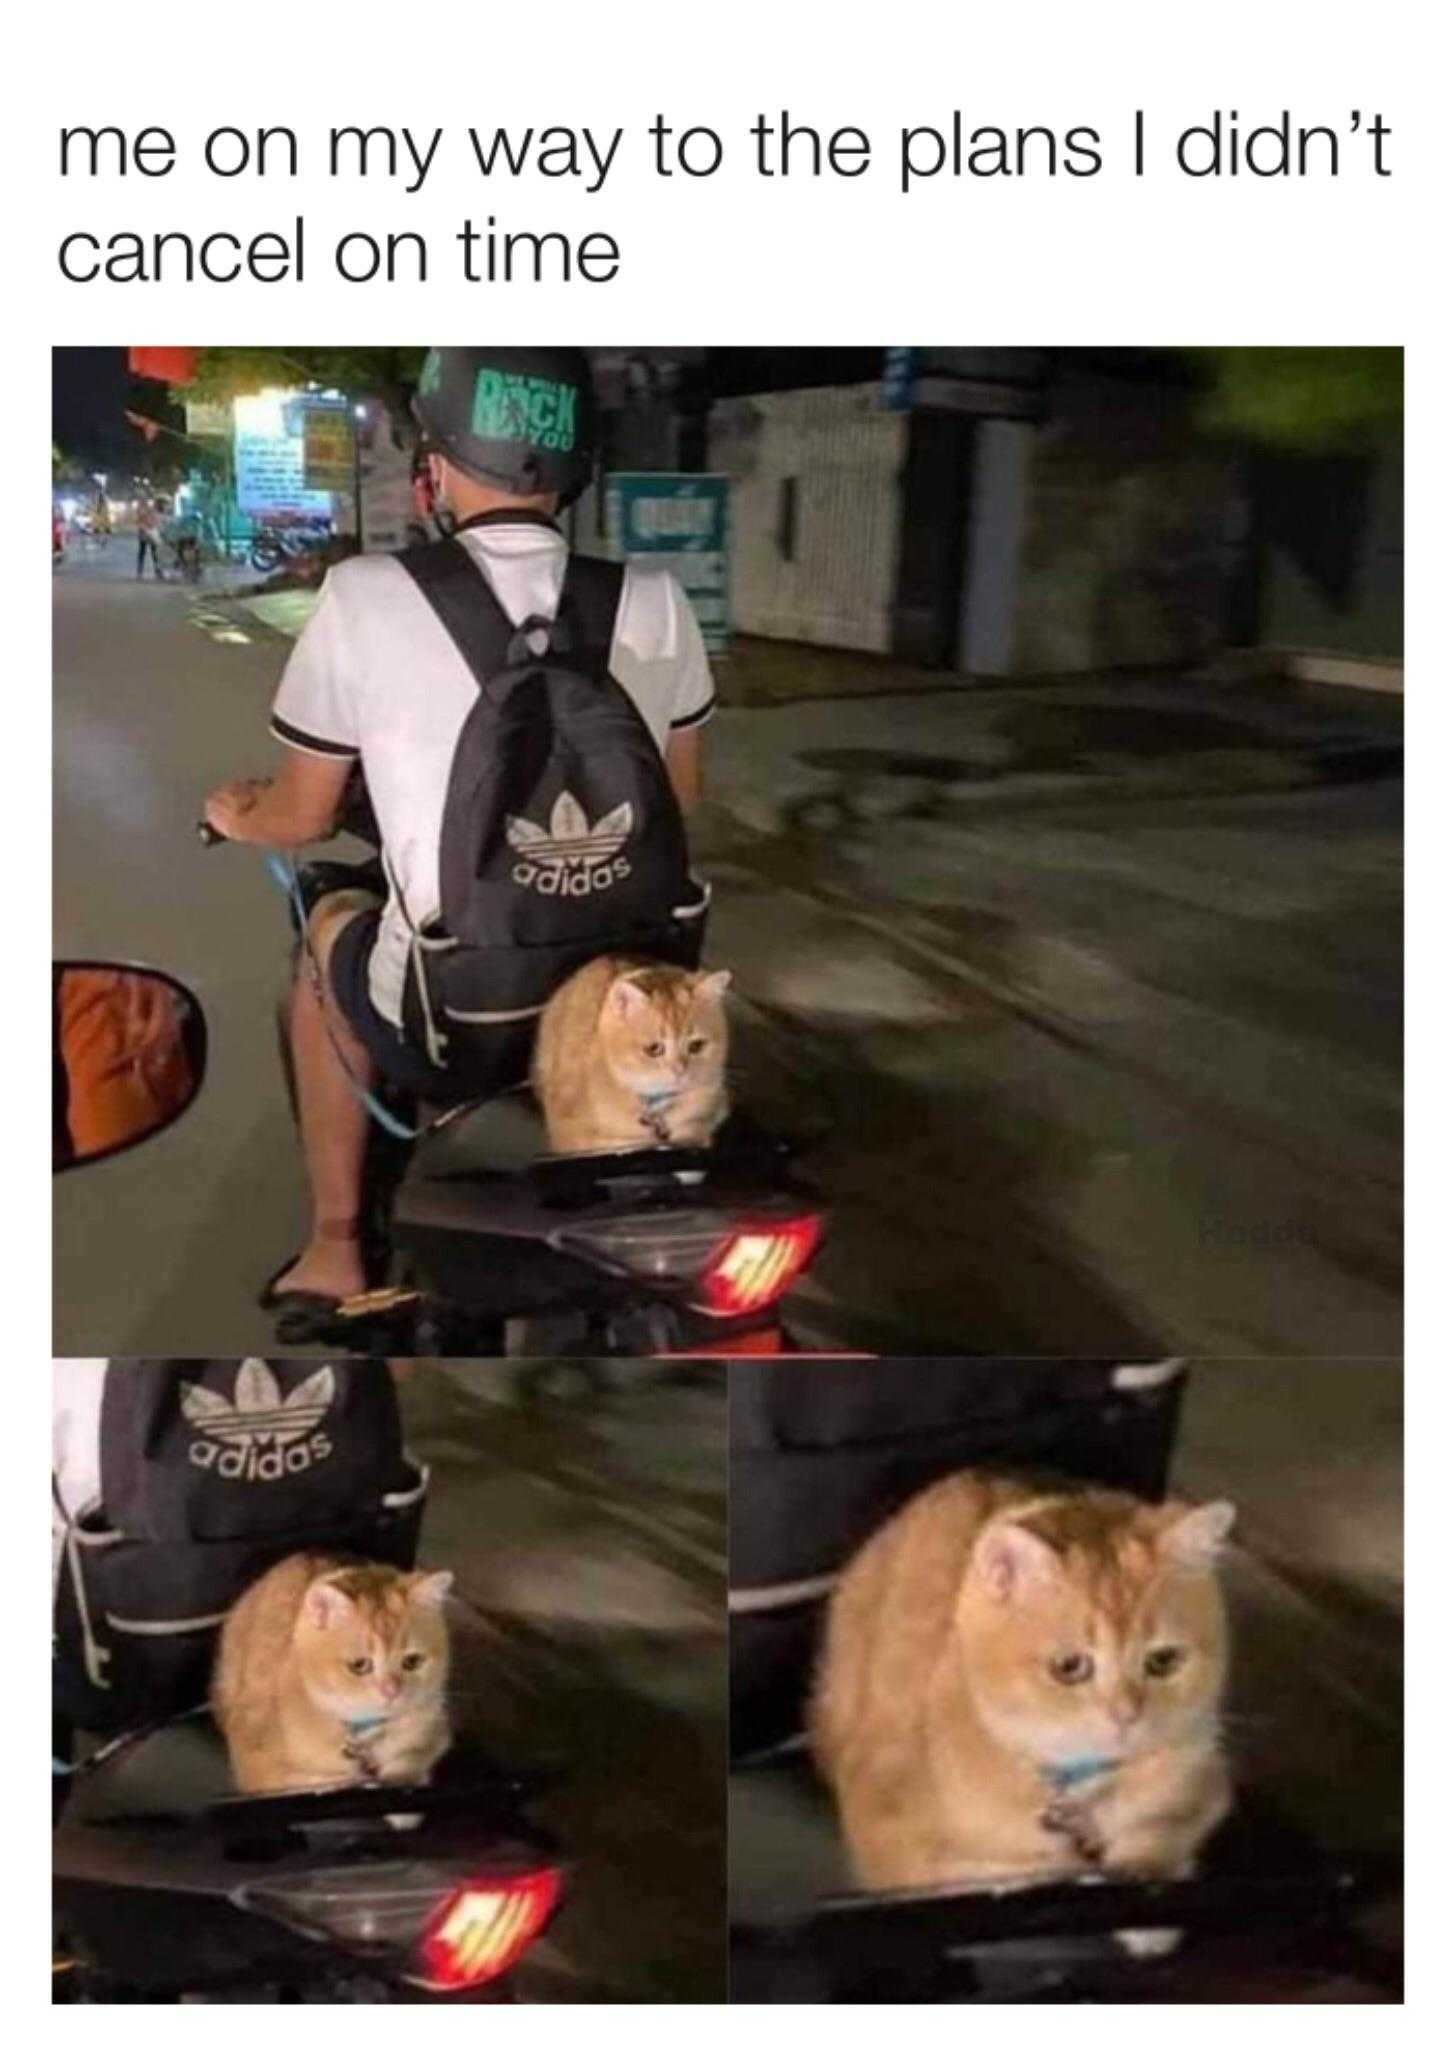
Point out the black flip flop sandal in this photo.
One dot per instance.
(271, 1296)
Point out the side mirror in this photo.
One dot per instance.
(129, 1053)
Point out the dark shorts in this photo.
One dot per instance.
(396, 1058)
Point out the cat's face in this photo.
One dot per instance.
(664, 1030)
(372, 1641)
(1095, 1632)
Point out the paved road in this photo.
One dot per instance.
(1093, 993)
(588, 1540)
(161, 1252)
(1088, 997)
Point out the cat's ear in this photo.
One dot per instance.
(429, 1589)
(1195, 1537)
(326, 1605)
(625, 999)
(713, 986)
(1010, 1561)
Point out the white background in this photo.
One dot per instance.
(735, 259)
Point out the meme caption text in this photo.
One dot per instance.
(411, 160)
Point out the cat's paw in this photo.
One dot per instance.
(1075, 1826)
(1148, 1941)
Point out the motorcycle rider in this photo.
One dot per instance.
(375, 680)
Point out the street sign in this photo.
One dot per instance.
(268, 459)
(328, 447)
(677, 522)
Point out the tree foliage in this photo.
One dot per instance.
(388, 374)
(1302, 400)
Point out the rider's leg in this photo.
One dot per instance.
(333, 1123)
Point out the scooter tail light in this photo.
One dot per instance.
(484, 1928)
(756, 1264)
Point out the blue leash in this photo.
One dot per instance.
(285, 874)
(1078, 1770)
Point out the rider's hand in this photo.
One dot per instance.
(228, 807)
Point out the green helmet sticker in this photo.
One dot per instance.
(430, 374)
(537, 410)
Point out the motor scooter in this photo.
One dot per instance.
(169, 1886)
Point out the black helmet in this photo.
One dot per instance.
(519, 418)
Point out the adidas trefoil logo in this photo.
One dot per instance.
(262, 1433)
(572, 856)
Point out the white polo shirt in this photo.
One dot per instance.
(374, 676)
(77, 1385)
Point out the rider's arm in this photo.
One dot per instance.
(300, 804)
(685, 768)
(314, 718)
(692, 700)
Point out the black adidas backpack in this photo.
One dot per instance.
(561, 838)
(211, 1472)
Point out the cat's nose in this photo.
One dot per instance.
(1124, 1708)
(391, 1688)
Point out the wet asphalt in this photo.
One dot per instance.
(586, 1528)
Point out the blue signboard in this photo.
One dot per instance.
(679, 523)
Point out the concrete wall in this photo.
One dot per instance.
(845, 451)
(1123, 553)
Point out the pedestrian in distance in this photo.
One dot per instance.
(149, 528)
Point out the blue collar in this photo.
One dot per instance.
(658, 1096)
(364, 1724)
(1078, 1770)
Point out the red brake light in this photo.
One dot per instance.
(757, 1264)
(485, 1927)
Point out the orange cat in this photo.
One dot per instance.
(1026, 1684)
(330, 1671)
(630, 1053)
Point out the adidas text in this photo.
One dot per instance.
(561, 880)
(246, 1461)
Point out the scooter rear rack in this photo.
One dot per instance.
(1053, 1942)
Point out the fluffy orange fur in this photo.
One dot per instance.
(329, 1671)
(989, 1640)
(632, 1053)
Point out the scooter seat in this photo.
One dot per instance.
(179, 1768)
(501, 1136)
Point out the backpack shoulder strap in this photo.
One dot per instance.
(463, 601)
(591, 597)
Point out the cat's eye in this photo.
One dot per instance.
(697, 1045)
(1163, 1661)
(655, 1050)
(411, 1660)
(1074, 1667)
(361, 1666)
